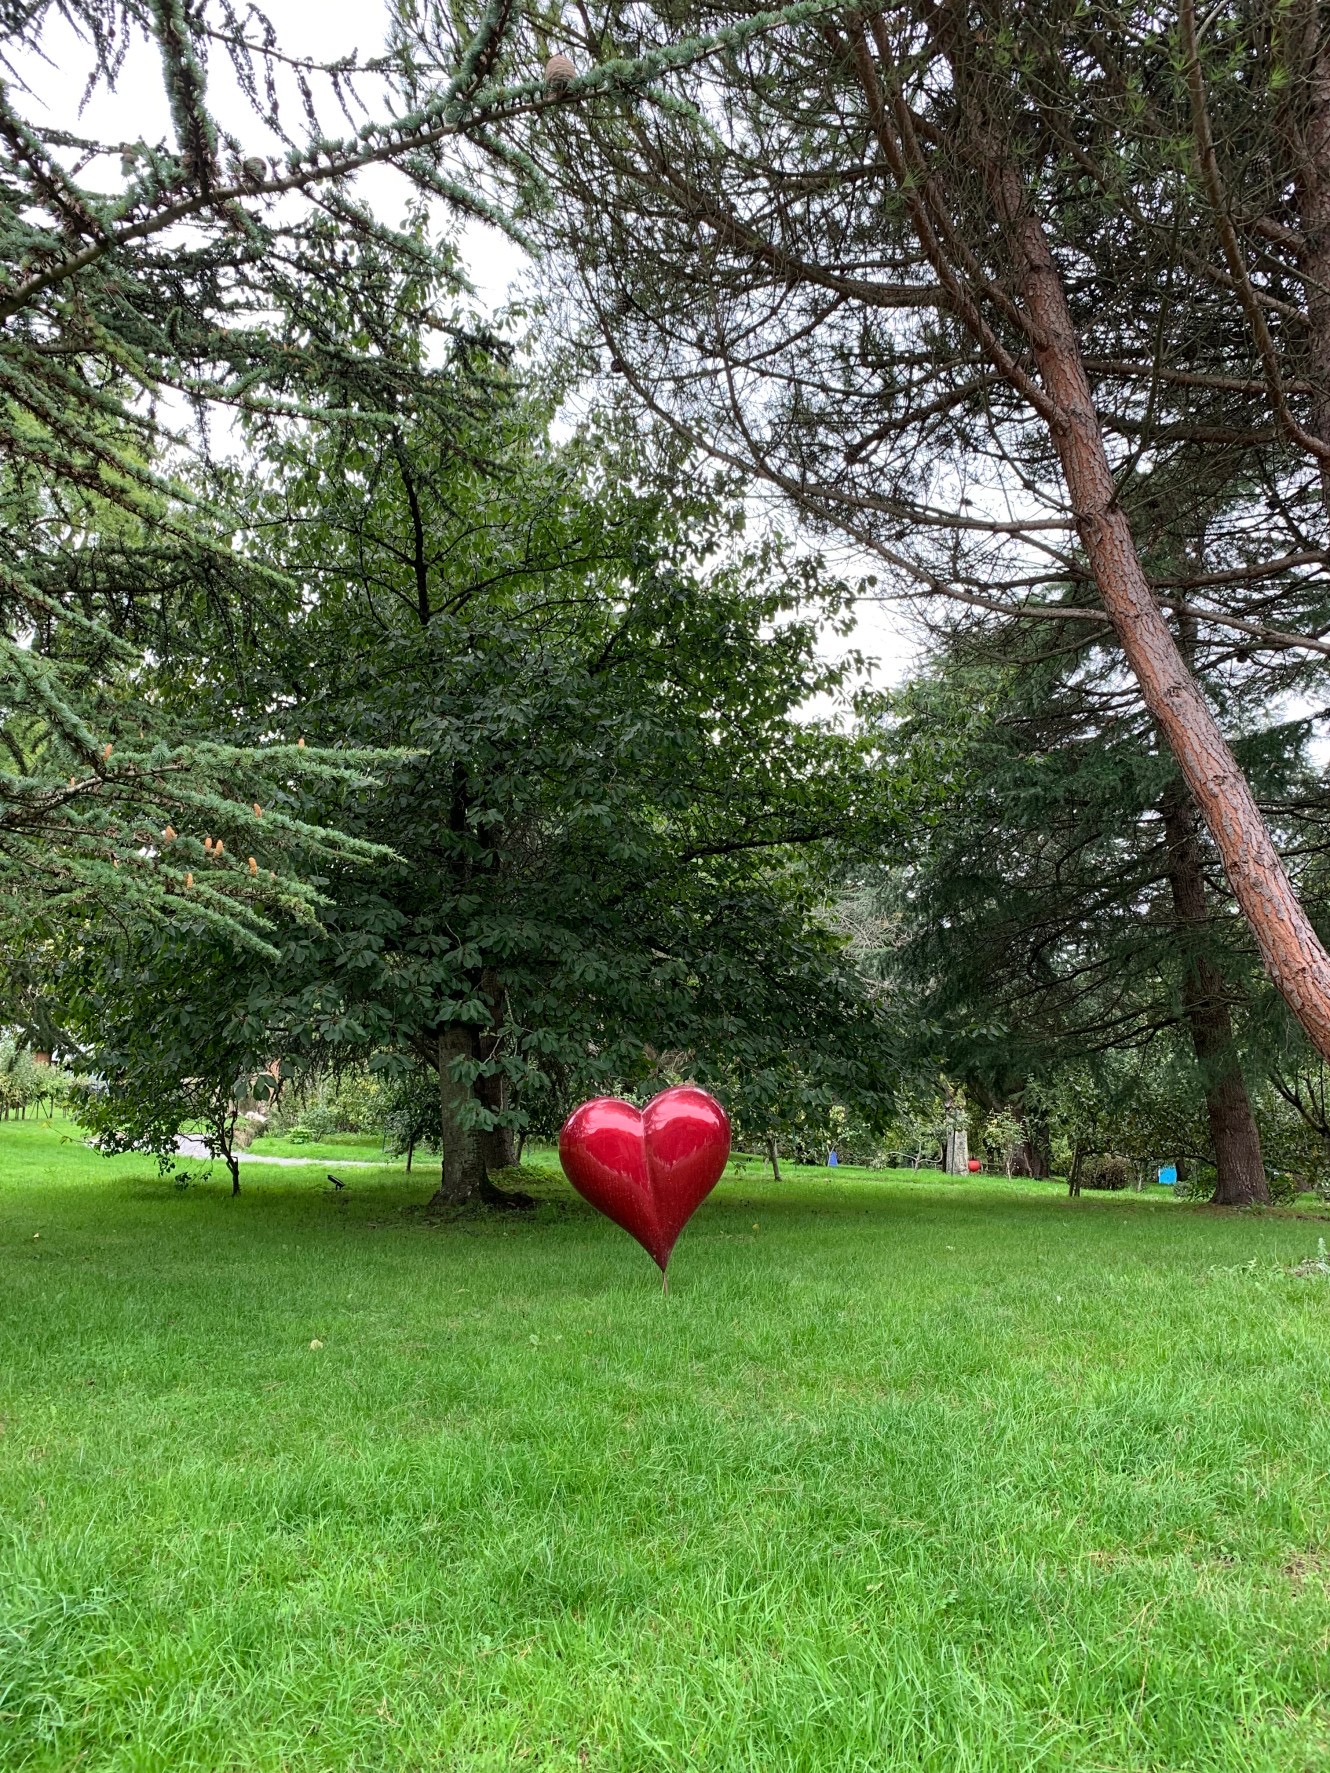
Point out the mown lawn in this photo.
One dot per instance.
(903, 1474)
(356, 1147)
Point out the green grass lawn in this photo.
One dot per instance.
(905, 1473)
(358, 1147)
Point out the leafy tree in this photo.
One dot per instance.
(411, 1113)
(176, 1043)
(919, 1127)
(614, 834)
(603, 830)
(1004, 1136)
(1144, 1104)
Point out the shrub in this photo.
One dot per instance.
(358, 1104)
(1198, 1186)
(1106, 1172)
(354, 1103)
(1003, 1137)
(319, 1121)
(25, 1084)
(1284, 1188)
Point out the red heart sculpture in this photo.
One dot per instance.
(649, 1170)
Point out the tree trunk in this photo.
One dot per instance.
(1241, 1171)
(1240, 1177)
(463, 1147)
(499, 1148)
(1038, 1143)
(775, 1160)
(1033, 1157)
(498, 1144)
(1292, 951)
(225, 1145)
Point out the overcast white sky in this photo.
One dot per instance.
(326, 30)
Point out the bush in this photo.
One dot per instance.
(1003, 1137)
(1106, 1172)
(1198, 1186)
(313, 1112)
(1284, 1188)
(322, 1121)
(25, 1084)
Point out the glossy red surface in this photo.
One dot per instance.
(648, 1171)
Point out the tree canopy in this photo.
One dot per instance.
(155, 293)
(604, 831)
(961, 282)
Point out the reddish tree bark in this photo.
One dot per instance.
(1240, 1170)
(1290, 948)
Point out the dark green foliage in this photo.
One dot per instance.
(605, 834)
(523, 810)
(1032, 917)
(152, 293)
(174, 1038)
(411, 1112)
(614, 836)
(1105, 1173)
